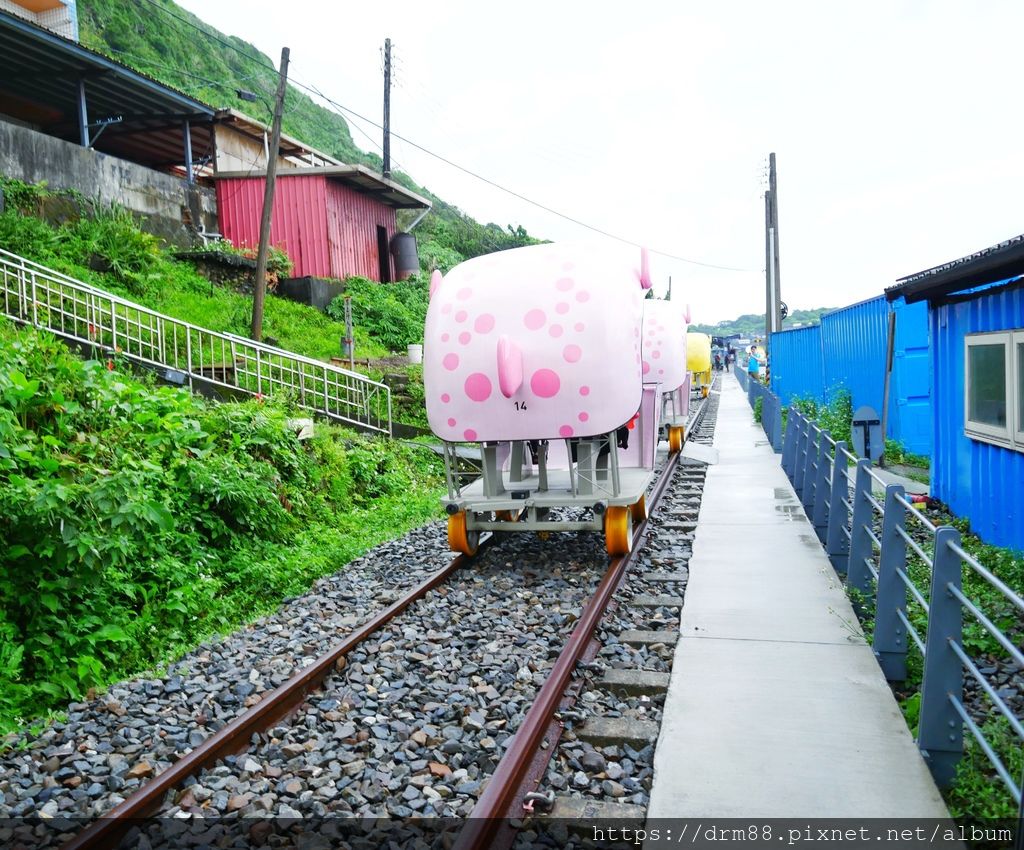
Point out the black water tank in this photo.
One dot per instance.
(403, 249)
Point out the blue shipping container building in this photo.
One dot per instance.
(976, 313)
(848, 351)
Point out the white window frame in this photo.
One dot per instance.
(1017, 385)
(1011, 435)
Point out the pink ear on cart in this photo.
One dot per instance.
(645, 269)
(686, 314)
(435, 281)
(510, 367)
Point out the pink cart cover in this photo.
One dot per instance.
(541, 342)
(664, 346)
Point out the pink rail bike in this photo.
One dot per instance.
(664, 361)
(535, 355)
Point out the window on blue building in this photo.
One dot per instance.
(994, 388)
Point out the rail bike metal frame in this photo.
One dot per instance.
(835, 488)
(595, 480)
(182, 353)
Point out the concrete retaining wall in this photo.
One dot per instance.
(167, 205)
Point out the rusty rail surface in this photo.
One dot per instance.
(501, 799)
(234, 737)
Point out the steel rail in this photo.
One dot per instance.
(501, 798)
(503, 792)
(235, 736)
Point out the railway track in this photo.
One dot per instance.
(485, 777)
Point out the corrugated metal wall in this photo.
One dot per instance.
(852, 345)
(298, 224)
(979, 481)
(326, 228)
(352, 221)
(910, 399)
(853, 341)
(796, 369)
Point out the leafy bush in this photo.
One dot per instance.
(131, 511)
(836, 417)
(394, 313)
(436, 256)
(278, 261)
(896, 452)
(23, 197)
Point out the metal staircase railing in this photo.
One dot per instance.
(35, 295)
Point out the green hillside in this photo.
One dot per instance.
(170, 50)
(752, 324)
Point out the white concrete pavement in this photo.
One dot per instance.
(776, 707)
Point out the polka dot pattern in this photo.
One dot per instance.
(535, 319)
(544, 316)
(478, 387)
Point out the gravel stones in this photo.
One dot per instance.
(156, 721)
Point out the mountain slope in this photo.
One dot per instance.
(752, 324)
(160, 45)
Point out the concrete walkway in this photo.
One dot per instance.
(777, 707)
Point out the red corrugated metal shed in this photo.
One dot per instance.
(325, 219)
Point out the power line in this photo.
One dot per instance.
(517, 194)
(449, 162)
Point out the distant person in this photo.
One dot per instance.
(729, 356)
(753, 366)
(718, 362)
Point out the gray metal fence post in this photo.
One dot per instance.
(801, 459)
(789, 442)
(837, 545)
(777, 425)
(822, 488)
(940, 732)
(858, 576)
(891, 638)
(798, 453)
(810, 462)
(750, 393)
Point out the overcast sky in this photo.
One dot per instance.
(896, 125)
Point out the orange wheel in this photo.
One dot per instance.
(639, 510)
(675, 439)
(704, 391)
(459, 538)
(618, 530)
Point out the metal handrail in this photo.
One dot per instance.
(988, 576)
(104, 322)
(850, 510)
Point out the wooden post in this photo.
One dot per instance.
(260, 284)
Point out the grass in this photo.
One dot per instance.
(130, 508)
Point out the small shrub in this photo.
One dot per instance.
(394, 313)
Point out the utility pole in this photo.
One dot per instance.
(260, 287)
(387, 107)
(773, 288)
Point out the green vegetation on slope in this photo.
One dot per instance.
(752, 324)
(106, 249)
(132, 511)
(142, 37)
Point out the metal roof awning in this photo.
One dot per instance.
(52, 83)
(357, 177)
(990, 265)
